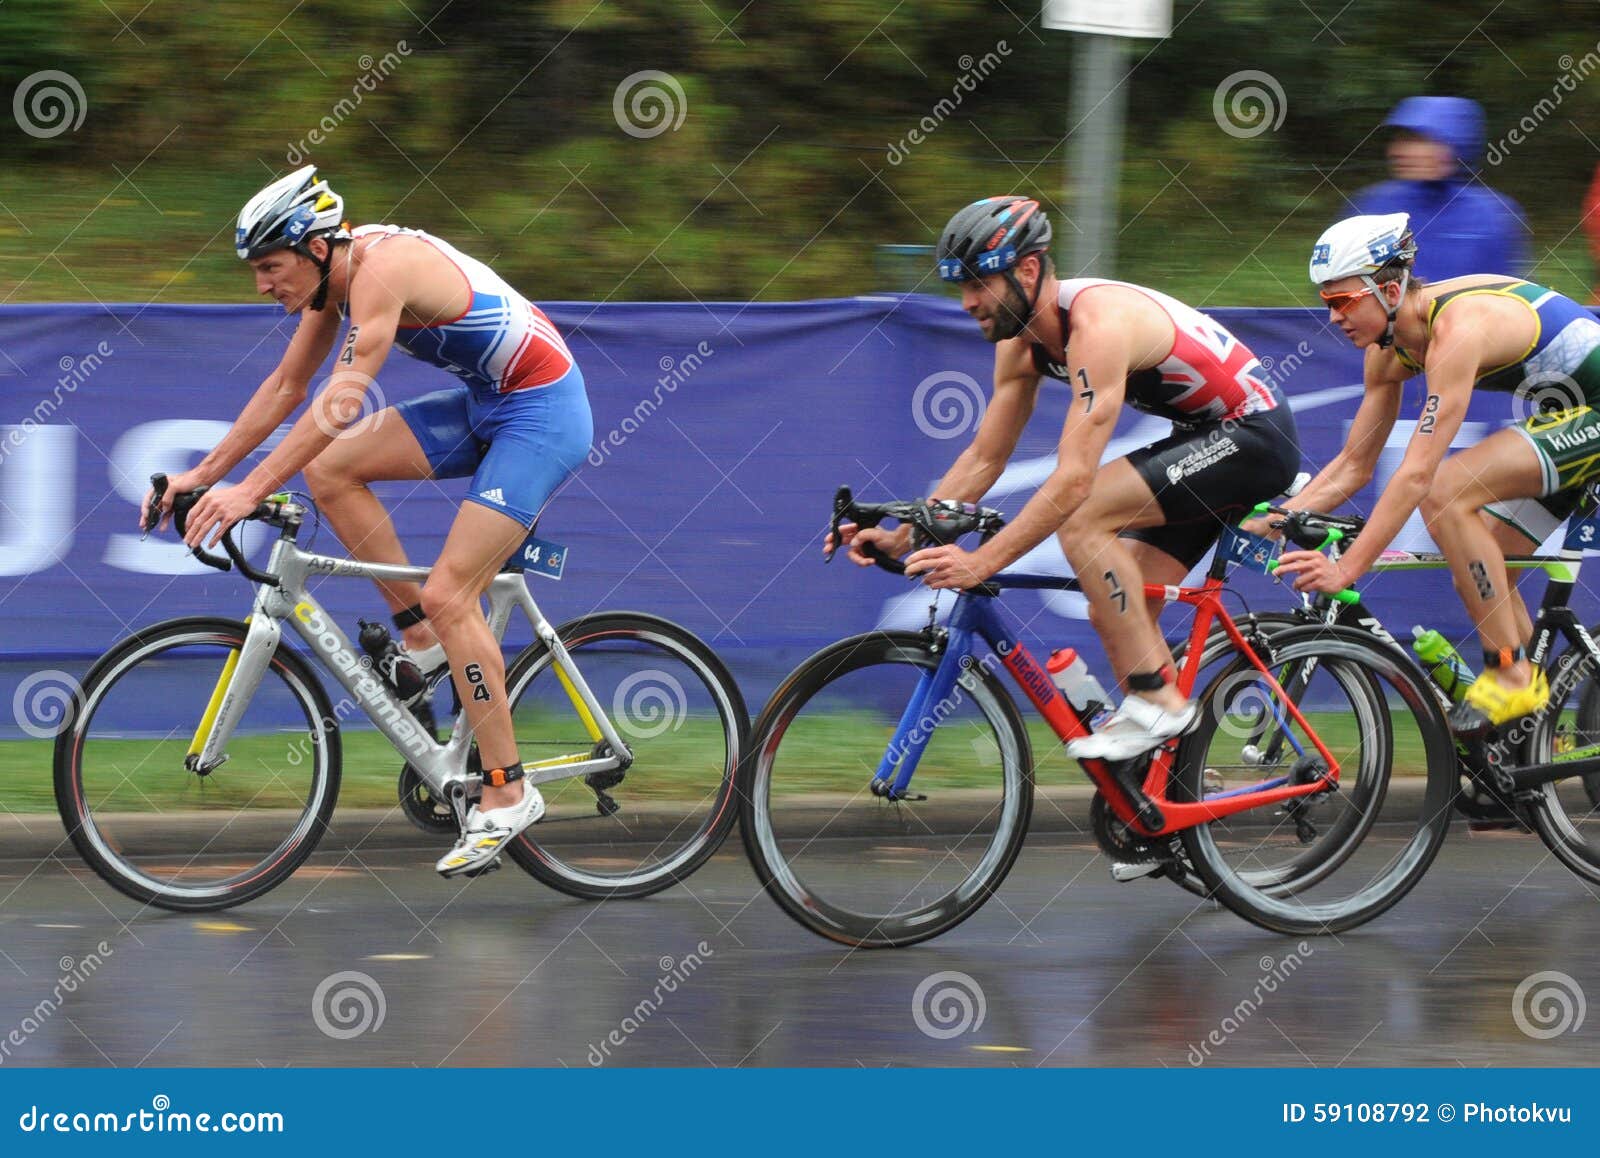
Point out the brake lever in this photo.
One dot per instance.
(152, 513)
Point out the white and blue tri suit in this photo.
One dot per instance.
(521, 424)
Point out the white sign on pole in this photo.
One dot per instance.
(1150, 18)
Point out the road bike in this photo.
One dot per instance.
(1544, 770)
(202, 757)
(853, 848)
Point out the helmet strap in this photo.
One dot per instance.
(1038, 286)
(1393, 311)
(324, 267)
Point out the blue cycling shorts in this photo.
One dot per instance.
(518, 447)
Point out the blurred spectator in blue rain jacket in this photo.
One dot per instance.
(1462, 226)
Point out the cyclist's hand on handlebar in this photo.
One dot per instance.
(1262, 526)
(1316, 572)
(951, 567)
(176, 485)
(219, 509)
(892, 543)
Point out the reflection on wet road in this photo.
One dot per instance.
(374, 961)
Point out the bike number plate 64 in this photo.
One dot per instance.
(540, 557)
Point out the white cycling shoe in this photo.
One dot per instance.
(1134, 729)
(488, 833)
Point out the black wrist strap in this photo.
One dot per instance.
(410, 617)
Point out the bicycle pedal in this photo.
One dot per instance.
(1126, 871)
(484, 870)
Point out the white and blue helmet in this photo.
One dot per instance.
(287, 214)
(1360, 247)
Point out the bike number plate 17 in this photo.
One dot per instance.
(540, 557)
(1247, 550)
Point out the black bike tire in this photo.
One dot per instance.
(538, 860)
(69, 745)
(832, 921)
(1286, 914)
(1543, 807)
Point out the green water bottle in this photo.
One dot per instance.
(1443, 662)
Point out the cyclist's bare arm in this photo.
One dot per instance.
(375, 303)
(1459, 347)
(979, 466)
(1352, 468)
(279, 394)
(1100, 351)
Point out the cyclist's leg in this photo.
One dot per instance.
(536, 438)
(1110, 575)
(1502, 466)
(1520, 527)
(427, 437)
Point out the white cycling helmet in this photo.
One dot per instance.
(1360, 247)
(287, 214)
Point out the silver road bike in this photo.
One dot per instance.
(202, 757)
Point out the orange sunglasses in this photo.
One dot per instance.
(1342, 301)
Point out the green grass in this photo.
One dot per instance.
(835, 753)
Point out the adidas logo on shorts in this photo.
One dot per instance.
(494, 496)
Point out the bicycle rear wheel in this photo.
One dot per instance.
(1565, 813)
(680, 712)
(1342, 857)
(177, 839)
(850, 865)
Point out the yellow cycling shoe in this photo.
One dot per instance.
(1489, 703)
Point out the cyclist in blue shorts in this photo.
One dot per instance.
(1477, 332)
(518, 425)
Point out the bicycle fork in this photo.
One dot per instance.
(236, 686)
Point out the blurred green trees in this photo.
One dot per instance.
(495, 123)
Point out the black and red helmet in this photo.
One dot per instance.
(991, 236)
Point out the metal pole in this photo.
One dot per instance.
(1099, 108)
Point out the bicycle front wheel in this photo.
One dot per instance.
(178, 839)
(849, 864)
(680, 712)
(1337, 859)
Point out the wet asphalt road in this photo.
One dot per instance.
(1068, 968)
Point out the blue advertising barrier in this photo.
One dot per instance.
(721, 433)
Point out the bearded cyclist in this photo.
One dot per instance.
(1147, 517)
(1482, 331)
(518, 425)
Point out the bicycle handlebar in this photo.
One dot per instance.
(183, 503)
(939, 521)
(1314, 531)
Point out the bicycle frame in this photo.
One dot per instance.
(1554, 617)
(976, 618)
(439, 765)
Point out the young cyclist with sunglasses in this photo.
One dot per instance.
(1483, 331)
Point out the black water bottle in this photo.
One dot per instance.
(399, 672)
